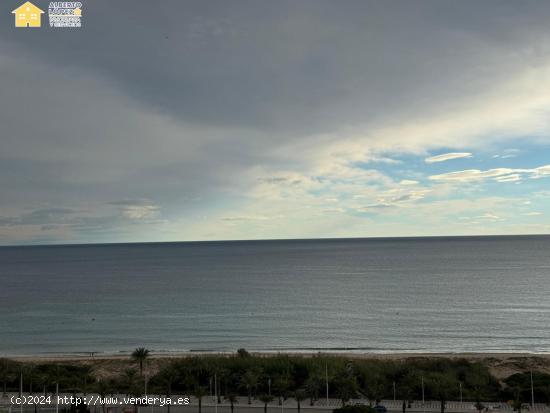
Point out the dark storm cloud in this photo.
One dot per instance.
(291, 65)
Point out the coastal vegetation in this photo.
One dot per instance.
(140, 355)
(305, 379)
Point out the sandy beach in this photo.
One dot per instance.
(501, 365)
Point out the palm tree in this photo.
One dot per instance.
(7, 372)
(406, 394)
(478, 382)
(299, 395)
(41, 380)
(547, 393)
(168, 377)
(281, 384)
(199, 392)
(346, 389)
(265, 399)
(232, 399)
(517, 404)
(102, 390)
(373, 389)
(129, 380)
(140, 355)
(443, 388)
(249, 380)
(218, 375)
(28, 372)
(408, 387)
(313, 387)
(85, 373)
(478, 395)
(243, 353)
(222, 375)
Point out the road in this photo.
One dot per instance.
(289, 406)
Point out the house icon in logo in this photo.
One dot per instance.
(27, 15)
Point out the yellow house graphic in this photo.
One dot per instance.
(27, 15)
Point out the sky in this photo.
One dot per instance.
(261, 119)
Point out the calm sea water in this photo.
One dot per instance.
(426, 295)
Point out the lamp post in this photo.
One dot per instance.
(21, 390)
(215, 393)
(326, 379)
(532, 392)
(423, 405)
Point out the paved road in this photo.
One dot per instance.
(289, 406)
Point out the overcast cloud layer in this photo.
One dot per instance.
(200, 120)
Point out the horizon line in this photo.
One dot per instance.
(76, 244)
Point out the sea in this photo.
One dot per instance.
(391, 295)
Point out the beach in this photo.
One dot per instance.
(227, 382)
(501, 365)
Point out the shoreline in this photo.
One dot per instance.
(500, 365)
(91, 356)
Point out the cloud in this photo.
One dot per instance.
(67, 224)
(508, 153)
(485, 218)
(265, 109)
(447, 156)
(489, 216)
(471, 175)
(246, 218)
(333, 210)
(408, 182)
(541, 172)
(383, 159)
(39, 216)
(137, 209)
(397, 200)
(130, 202)
(509, 178)
(499, 174)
